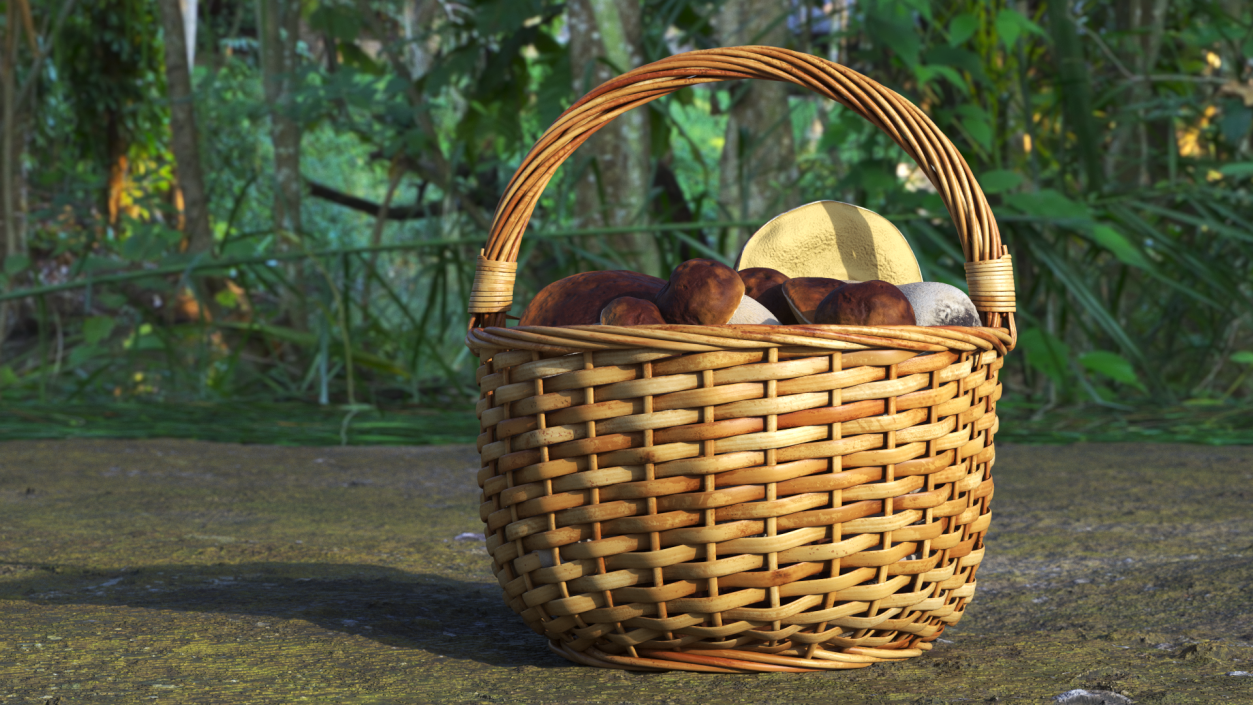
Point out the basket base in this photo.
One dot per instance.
(731, 660)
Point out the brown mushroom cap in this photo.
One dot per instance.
(701, 292)
(765, 285)
(872, 303)
(630, 311)
(803, 294)
(758, 280)
(577, 300)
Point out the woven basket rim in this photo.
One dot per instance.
(691, 338)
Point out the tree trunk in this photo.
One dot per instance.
(8, 85)
(187, 13)
(1128, 160)
(418, 20)
(1074, 83)
(279, 25)
(758, 164)
(8, 81)
(13, 136)
(185, 141)
(613, 165)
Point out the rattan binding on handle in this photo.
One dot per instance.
(898, 118)
(492, 290)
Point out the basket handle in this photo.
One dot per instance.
(989, 271)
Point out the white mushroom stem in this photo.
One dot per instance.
(752, 313)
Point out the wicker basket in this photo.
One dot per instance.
(739, 498)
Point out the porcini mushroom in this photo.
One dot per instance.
(759, 280)
(766, 286)
(701, 292)
(578, 299)
(630, 311)
(803, 294)
(940, 304)
(872, 303)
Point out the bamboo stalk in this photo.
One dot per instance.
(376, 237)
(205, 262)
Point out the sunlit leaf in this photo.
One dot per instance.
(1045, 352)
(1048, 203)
(111, 300)
(1244, 357)
(1235, 120)
(97, 328)
(457, 62)
(505, 15)
(1075, 73)
(15, 263)
(1181, 257)
(554, 92)
(958, 59)
(1208, 224)
(226, 298)
(1120, 247)
(359, 356)
(82, 354)
(929, 72)
(1112, 365)
(976, 123)
(999, 181)
(341, 22)
(1237, 169)
(356, 58)
(1077, 287)
(962, 28)
(922, 7)
(1010, 24)
(893, 26)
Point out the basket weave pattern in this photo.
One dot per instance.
(739, 498)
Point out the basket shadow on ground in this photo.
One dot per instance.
(1107, 599)
(445, 616)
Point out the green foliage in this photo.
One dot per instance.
(1124, 200)
(16, 263)
(110, 71)
(239, 421)
(97, 328)
(1000, 180)
(1112, 365)
(1046, 353)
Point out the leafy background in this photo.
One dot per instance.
(1113, 139)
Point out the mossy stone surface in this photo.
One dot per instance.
(194, 572)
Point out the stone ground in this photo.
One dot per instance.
(193, 572)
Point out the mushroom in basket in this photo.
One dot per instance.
(822, 263)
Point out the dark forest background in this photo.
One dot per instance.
(256, 219)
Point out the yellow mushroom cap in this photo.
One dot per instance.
(834, 240)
